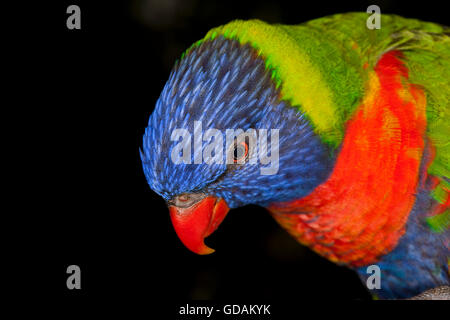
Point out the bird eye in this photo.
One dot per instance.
(240, 153)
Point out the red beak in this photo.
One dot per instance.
(195, 223)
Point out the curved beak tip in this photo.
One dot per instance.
(206, 250)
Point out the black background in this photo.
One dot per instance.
(89, 95)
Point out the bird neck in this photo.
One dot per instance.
(359, 213)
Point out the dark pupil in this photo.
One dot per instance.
(238, 152)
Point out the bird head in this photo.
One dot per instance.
(221, 137)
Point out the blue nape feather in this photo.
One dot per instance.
(226, 85)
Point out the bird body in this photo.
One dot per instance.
(364, 152)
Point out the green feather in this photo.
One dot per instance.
(440, 222)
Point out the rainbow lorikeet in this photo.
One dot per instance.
(362, 121)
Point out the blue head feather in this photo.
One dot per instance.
(226, 85)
